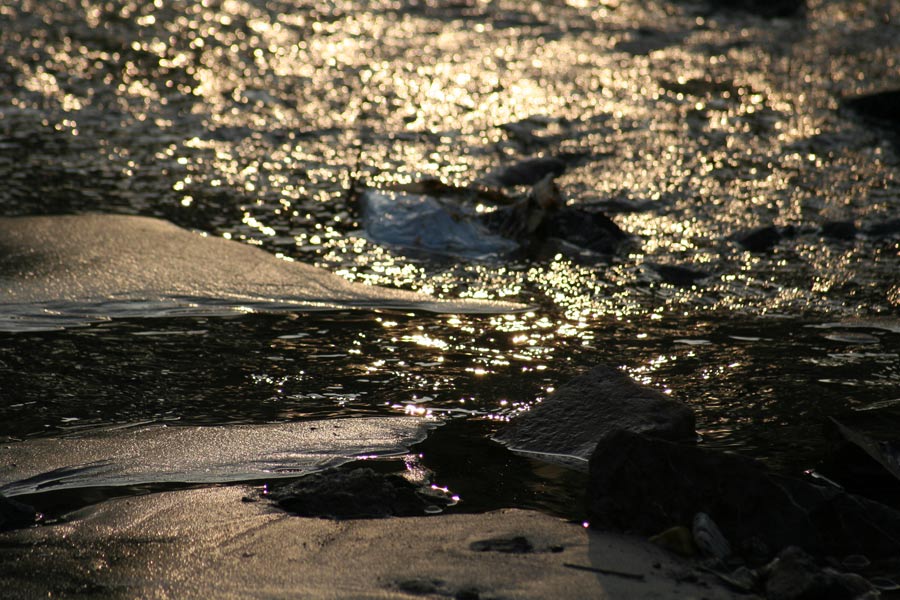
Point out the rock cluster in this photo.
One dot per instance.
(648, 477)
(645, 485)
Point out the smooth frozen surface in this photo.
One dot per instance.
(160, 454)
(421, 222)
(58, 271)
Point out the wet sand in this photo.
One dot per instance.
(207, 543)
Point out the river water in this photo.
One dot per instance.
(259, 120)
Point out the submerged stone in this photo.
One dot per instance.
(761, 8)
(884, 229)
(677, 274)
(643, 485)
(645, 40)
(15, 515)
(527, 172)
(586, 229)
(542, 217)
(882, 449)
(761, 239)
(582, 411)
(839, 230)
(881, 107)
(864, 453)
(357, 494)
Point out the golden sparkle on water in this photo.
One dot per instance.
(264, 120)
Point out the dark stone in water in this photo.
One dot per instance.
(761, 8)
(590, 230)
(761, 239)
(700, 87)
(881, 107)
(884, 229)
(794, 575)
(15, 515)
(885, 452)
(542, 216)
(622, 206)
(528, 172)
(646, 485)
(839, 230)
(645, 40)
(357, 494)
(582, 411)
(864, 452)
(677, 274)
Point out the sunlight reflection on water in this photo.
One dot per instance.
(259, 120)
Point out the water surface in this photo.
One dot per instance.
(260, 121)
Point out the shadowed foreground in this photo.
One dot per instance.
(208, 544)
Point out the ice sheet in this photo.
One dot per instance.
(70, 270)
(208, 454)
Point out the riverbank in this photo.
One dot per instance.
(214, 543)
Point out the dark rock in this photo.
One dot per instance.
(881, 107)
(701, 87)
(864, 452)
(645, 40)
(760, 239)
(420, 587)
(593, 231)
(522, 220)
(709, 539)
(885, 452)
(645, 485)
(884, 229)
(575, 416)
(527, 172)
(678, 539)
(762, 8)
(623, 206)
(839, 230)
(794, 575)
(542, 217)
(513, 545)
(357, 494)
(468, 593)
(15, 515)
(677, 274)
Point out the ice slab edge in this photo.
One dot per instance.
(64, 271)
(203, 454)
